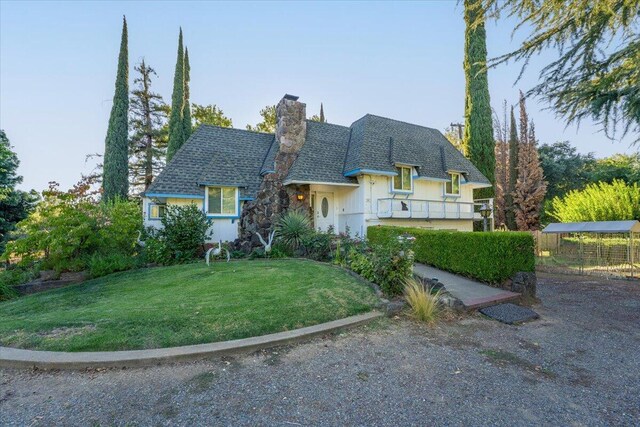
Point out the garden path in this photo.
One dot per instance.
(473, 294)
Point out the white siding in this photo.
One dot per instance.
(223, 228)
(379, 187)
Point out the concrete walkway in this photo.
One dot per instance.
(473, 294)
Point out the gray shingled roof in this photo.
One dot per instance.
(377, 143)
(215, 155)
(322, 156)
(235, 157)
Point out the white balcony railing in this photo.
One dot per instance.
(427, 209)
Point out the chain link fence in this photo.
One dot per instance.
(606, 254)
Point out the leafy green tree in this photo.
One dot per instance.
(115, 174)
(514, 144)
(625, 167)
(599, 201)
(68, 228)
(210, 115)
(176, 124)
(597, 71)
(564, 168)
(186, 110)
(478, 130)
(268, 123)
(147, 144)
(15, 204)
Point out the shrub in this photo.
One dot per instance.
(68, 228)
(317, 245)
(101, 265)
(16, 275)
(599, 201)
(389, 265)
(293, 227)
(488, 257)
(181, 238)
(424, 304)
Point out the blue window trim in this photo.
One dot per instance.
(149, 211)
(369, 171)
(231, 217)
(452, 195)
(394, 191)
(174, 196)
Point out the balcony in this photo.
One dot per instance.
(429, 209)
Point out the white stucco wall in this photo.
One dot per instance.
(224, 229)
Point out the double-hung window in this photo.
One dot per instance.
(452, 187)
(402, 181)
(222, 201)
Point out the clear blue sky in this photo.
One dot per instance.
(399, 60)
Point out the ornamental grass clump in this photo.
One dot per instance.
(424, 304)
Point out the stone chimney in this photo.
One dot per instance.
(274, 198)
(291, 125)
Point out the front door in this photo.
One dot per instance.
(324, 211)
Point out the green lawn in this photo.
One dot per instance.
(181, 305)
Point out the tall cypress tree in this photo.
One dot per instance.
(186, 109)
(176, 126)
(478, 132)
(115, 178)
(322, 119)
(513, 172)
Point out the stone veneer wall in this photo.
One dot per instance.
(273, 198)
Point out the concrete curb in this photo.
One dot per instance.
(18, 358)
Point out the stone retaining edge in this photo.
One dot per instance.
(19, 358)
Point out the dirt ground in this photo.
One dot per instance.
(578, 365)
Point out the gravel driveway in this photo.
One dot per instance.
(578, 365)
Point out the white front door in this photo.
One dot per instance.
(324, 211)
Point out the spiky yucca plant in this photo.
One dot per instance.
(293, 227)
(424, 304)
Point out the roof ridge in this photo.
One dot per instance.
(235, 129)
(326, 123)
(400, 121)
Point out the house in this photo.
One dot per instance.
(376, 171)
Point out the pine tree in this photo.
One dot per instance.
(147, 145)
(115, 178)
(513, 172)
(186, 108)
(176, 125)
(322, 119)
(478, 137)
(530, 186)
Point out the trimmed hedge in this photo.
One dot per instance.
(488, 257)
